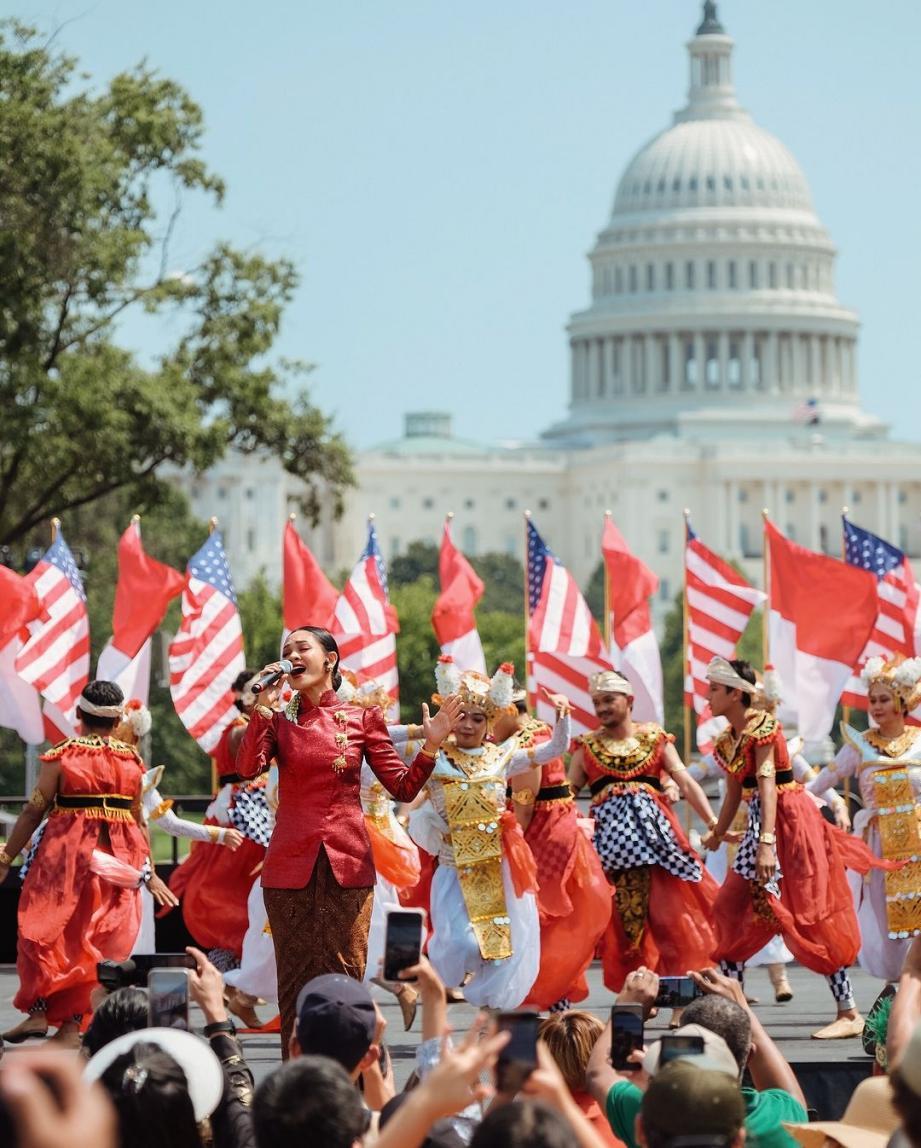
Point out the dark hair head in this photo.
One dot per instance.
(242, 678)
(308, 1100)
(726, 1019)
(151, 1096)
(101, 693)
(123, 1011)
(523, 1124)
(744, 670)
(329, 644)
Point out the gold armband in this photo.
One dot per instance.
(38, 800)
(766, 769)
(5, 858)
(214, 832)
(524, 796)
(264, 711)
(677, 769)
(767, 838)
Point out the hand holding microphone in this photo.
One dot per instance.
(271, 675)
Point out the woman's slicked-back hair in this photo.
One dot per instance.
(329, 644)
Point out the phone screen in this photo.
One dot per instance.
(676, 992)
(626, 1034)
(519, 1057)
(676, 1046)
(168, 998)
(403, 943)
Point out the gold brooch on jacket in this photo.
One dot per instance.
(340, 763)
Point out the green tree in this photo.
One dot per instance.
(420, 558)
(82, 244)
(260, 615)
(503, 578)
(417, 646)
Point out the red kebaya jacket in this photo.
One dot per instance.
(318, 792)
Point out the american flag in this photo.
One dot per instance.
(808, 412)
(56, 658)
(564, 643)
(896, 629)
(719, 605)
(365, 623)
(207, 652)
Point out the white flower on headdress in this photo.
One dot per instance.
(908, 673)
(771, 685)
(502, 685)
(137, 717)
(346, 691)
(872, 670)
(447, 676)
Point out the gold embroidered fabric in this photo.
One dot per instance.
(38, 800)
(163, 807)
(761, 901)
(629, 756)
(474, 765)
(900, 840)
(529, 732)
(91, 741)
(892, 746)
(472, 810)
(730, 749)
(631, 898)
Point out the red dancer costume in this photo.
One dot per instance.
(663, 895)
(574, 900)
(70, 916)
(214, 883)
(789, 875)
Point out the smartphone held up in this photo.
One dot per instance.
(402, 941)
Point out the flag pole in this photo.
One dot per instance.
(686, 661)
(212, 524)
(55, 527)
(845, 709)
(766, 608)
(532, 702)
(607, 596)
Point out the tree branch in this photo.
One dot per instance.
(62, 318)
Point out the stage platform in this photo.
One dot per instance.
(828, 1070)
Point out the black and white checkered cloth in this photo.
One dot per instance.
(631, 830)
(744, 863)
(32, 850)
(250, 814)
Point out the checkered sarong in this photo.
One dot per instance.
(631, 830)
(250, 814)
(744, 863)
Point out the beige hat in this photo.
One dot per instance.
(868, 1121)
(716, 1054)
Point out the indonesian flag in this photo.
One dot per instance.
(822, 612)
(308, 596)
(452, 617)
(634, 649)
(143, 593)
(20, 702)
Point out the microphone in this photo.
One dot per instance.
(270, 679)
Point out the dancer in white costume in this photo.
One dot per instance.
(484, 915)
(894, 689)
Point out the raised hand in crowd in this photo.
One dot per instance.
(50, 1105)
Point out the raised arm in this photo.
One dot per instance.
(404, 781)
(523, 759)
(160, 813)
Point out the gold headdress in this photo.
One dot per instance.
(900, 674)
(363, 693)
(609, 682)
(492, 695)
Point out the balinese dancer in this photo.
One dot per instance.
(574, 899)
(318, 876)
(484, 912)
(775, 956)
(157, 812)
(887, 763)
(79, 903)
(663, 894)
(789, 874)
(214, 884)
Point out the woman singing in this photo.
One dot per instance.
(319, 874)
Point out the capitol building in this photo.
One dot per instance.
(713, 368)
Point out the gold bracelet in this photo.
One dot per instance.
(712, 823)
(766, 769)
(767, 838)
(264, 711)
(5, 858)
(524, 796)
(431, 754)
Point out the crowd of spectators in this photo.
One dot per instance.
(141, 1087)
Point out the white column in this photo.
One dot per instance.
(770, 364)
(882, 502)
(609, 359)
(812, 343)
(626, 362)
(747, 376)
(651, 363)
(814, 516)
(894, 513)
(852, 356)
(722, 352)
(700, 360)
(603, 370)
(594, 366)
(675, 364)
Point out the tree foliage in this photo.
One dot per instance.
(83, 242)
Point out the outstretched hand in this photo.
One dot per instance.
(436, 729)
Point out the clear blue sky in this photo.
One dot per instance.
(438, 171)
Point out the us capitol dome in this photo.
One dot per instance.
(713, 293)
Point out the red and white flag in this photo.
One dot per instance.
(365, 623)
(634, 648)
(56, 657)
(565, 645)
(207, 653)
(20, 703)
(822, 611)
(308, 596)
(453, 618)
(143, 593)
